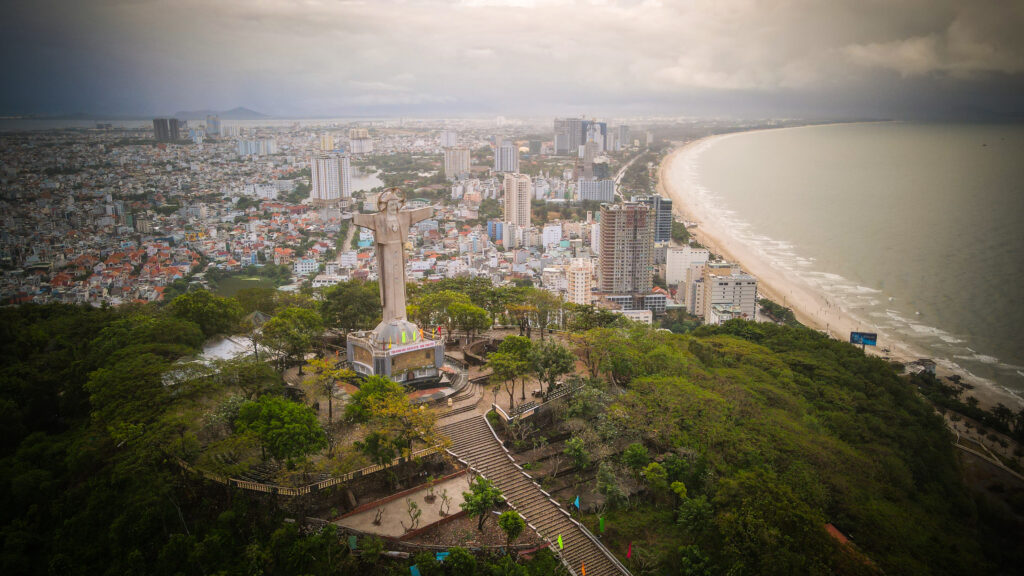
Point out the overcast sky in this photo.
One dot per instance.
(880, 58)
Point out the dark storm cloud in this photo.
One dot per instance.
(518, 56)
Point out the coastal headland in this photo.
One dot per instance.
(810, 306)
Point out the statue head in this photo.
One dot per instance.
(390, 200)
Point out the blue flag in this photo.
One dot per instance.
(352, 542)
(441, 556)
(415, 570)
(577, 502)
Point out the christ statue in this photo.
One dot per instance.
(390, 227)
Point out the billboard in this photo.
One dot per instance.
(863, 338)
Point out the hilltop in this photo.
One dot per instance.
(238, 113)
(745, 448)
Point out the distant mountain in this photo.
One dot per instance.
(239, 113)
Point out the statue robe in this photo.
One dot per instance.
(390, 232)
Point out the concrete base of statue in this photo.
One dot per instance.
(399, 350)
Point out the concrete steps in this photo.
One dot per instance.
(474, 442)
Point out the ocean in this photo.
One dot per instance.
(914, 229)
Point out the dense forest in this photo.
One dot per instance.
(747, 441)
(91, 426)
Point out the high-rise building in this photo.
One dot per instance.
(359, 141)
(596, 132)
(456, 162)
(260, 147)
(212, 125)
(624, 137)
(551, 234)
(517, 200)
(168, 129)
(662, 215)
(590, 150)
(728, 293)
(506, 157)
(627, 244)
(580, 281)
(331, 182)
(449, 138)
(595, 190)
(679, 260)
(326, 142)
(570, 134)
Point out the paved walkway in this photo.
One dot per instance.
(475, 443)
(396, 511)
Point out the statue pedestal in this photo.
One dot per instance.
(397, 350)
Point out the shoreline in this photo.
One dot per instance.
(811, 307)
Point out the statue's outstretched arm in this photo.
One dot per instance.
(363, 220)
(417, 214)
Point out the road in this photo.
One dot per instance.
(622, 172)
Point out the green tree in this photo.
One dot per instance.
(252, 377)
(328, 374)
(436, 308)
(378, 447)
(469, 318)
(692, 562)
(608, 484)
(520, 349)
(460, 562)
(286, 429)
(512, 524)
(550, 361)
(635, 457)
(482, 497)
(581, 318)
(577, 453)
(213, 314)
(505, 368)
(656, 477)
(403, 423)
(351, 305)
(371, 390)
(546, 307)
(293, 333)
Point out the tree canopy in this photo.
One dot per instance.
(482, 497)
(293, 332)
(213, 314)
(287, 430)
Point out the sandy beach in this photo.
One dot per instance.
(810, 306)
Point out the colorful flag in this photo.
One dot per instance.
(560, 542)
(577, 503)
(629, 551)
(403, 336)
(415, 570)
(601, 521)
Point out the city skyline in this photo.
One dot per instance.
(920, 58)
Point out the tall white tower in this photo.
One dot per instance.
(331, 179)
(517, 199)
(506, 157)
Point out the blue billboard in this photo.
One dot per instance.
(863, 338)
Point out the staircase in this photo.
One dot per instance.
(474, 442)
